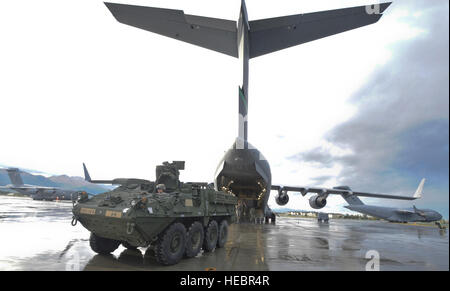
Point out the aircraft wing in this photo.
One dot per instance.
(118, 181)
(345, 191)
(211, 33)
(35, 187)
(4, 188)
(273, 34)
(405, 211)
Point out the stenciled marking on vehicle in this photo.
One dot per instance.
(188, 203)
(116, 214)
(90, 211)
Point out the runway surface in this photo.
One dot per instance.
(37, 235)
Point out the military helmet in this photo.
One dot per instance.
(161, 186)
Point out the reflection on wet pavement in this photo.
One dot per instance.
(37, 235)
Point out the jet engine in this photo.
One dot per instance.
(282, 198)
(317, 202)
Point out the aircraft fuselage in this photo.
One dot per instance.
(246, 173)
(396, 214)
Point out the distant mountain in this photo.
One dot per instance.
(284, 210)
(61, 181)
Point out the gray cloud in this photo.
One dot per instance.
(401, 130)
(318, 156)
(320, 180)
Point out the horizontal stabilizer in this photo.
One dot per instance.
(215, 34)
(273, 34)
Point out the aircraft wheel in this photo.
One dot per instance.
(195, 236)
(211, 235)
(223, 234)
(171, 246)
(102, 245)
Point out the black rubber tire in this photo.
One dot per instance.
(171, 247)
(211, 236)
(128, 246)
(194, 239)
(150, 252)
(223, 234)
(103, 245)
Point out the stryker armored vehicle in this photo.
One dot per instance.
(175, 220)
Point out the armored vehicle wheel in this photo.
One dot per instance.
(171, 246)
(128, 246)
(194, 239)
(223, 234)
(102, 245)
(211, 235)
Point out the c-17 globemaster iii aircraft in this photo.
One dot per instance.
(34, 191)
(395, 214)
(243, 170)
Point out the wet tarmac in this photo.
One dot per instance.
(37, 235)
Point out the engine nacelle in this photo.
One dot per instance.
(282, 198)
(317, 202)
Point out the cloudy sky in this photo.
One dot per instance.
(367, 108)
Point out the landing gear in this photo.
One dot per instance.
(171, 246)
(103, 245)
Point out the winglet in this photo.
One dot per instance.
(86, 174)
(419, 190)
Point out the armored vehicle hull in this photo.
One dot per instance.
(173, 225)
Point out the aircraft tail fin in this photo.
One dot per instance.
(14, 176)
(350, 198)
(419, 191)
(87, 177)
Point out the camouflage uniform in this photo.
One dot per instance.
(239, 211)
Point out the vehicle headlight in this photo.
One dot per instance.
(133, 203)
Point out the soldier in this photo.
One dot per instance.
(259, 213)
(251, 214)
(239, 210)
(160, 188)
(245, 211)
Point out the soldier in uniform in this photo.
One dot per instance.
(168, 174)
(239, 210)
(251, 214)
(160, 188)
